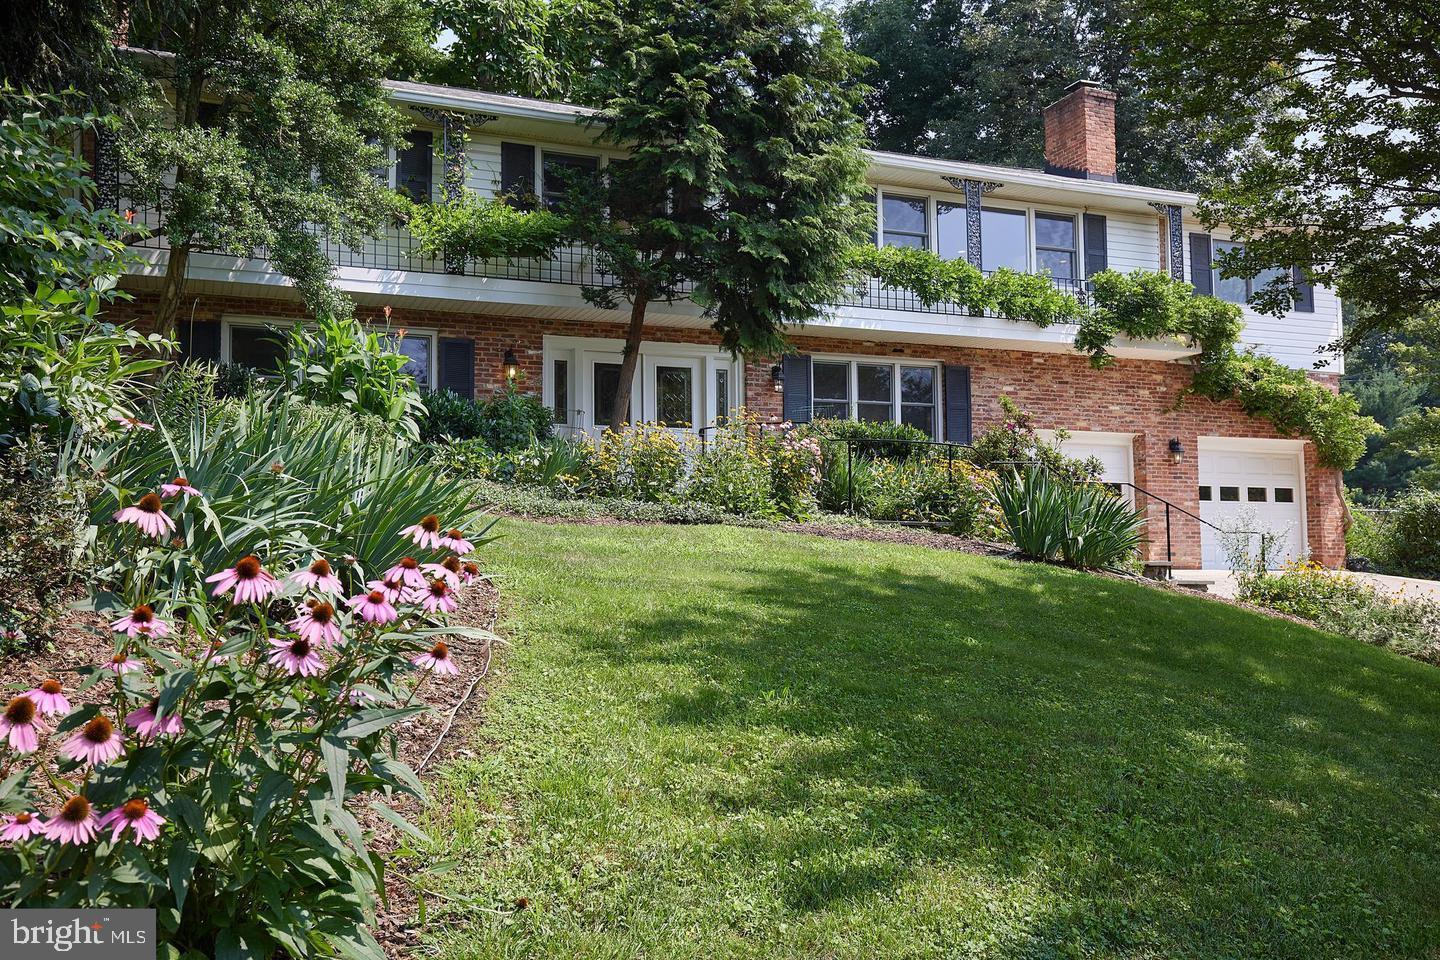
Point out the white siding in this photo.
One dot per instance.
(1133, 241)
(1295, 339)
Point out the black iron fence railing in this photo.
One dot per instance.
(396, 250)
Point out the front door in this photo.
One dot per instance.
(672, 391)
(600, 381)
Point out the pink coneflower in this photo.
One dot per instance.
(296, 656)
(456, 541)
(394, 590)
(147, 727)
(141, 621)
(134, 423)
(317, 624)
(437, 659)
(20, 724)
(358, 697)
(50, 698)
(149, 515)
(448, 570)
(121, 664)
(469, 573)
(95, 743)
(250, 581)
(178, 486)
(426, 533)
(407, 571)
(75, 823)
(20, 826)
(137, 816)
(373, 607)
(439, 596)
(320, 576)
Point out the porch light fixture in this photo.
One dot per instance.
(777, 376)
(1177, 450)
(512, 366)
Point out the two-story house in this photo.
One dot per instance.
(878, 354)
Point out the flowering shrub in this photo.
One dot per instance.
(276, 592)
(794, 473)
(733, 471)
(1014, 441)
(641, 461)
(1342, 604)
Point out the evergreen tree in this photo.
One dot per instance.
(744, 169)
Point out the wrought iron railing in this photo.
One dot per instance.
(396, 250)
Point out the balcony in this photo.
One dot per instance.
(393, 265)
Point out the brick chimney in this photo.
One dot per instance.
(1080, 133)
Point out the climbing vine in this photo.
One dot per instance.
(1142, 305)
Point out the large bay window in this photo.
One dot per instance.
(875, 390)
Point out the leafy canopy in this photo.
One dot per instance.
(1331, 112)
(967, 79)
(270, 117)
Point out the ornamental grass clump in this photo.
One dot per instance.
(216, 765)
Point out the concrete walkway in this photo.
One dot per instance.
(1222, 583)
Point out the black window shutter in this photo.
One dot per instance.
(796, 371)
(517, 174)
(457, 366)
(1304, 291)
(200, 340)
(414, 165)
(1097, 255)
(1200, 276)
(957, 404)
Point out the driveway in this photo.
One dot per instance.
(1222, 583)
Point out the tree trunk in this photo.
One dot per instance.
(620, 412)
(171, 292)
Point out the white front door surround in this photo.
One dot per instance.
(1252, 484)
(678, 383)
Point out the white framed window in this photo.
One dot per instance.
(876, 389)
(556, 167)
(1057, 245)
(905, 221)
(259, 343)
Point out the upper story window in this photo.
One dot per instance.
(1003, 240)
(904, 222)
(414, 170)
(1241, 289)
(561, 169)
(952, 233)
(1055, 245)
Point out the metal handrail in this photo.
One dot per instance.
(851, 442)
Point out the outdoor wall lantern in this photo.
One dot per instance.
(512, 366)
(1177, 450)
(777, 376)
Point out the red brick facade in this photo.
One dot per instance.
(1080, 132)
(1058, 390)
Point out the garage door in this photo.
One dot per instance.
(1113, 450)
(1257, 486)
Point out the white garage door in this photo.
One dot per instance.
(1113, 450)
(1252, 485)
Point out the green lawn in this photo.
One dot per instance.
(715, 742)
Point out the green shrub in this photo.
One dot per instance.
(558, 463)
(640, 461)
(528, 501)
(44, 524)
(732, 473)
(1412, 534)
(1084, 525)
(466, 459)
(1342, 604)
(511, 419)
(338, 362)
(449, 415)
(874, 438)
(1365, 543)
(1014, 442)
